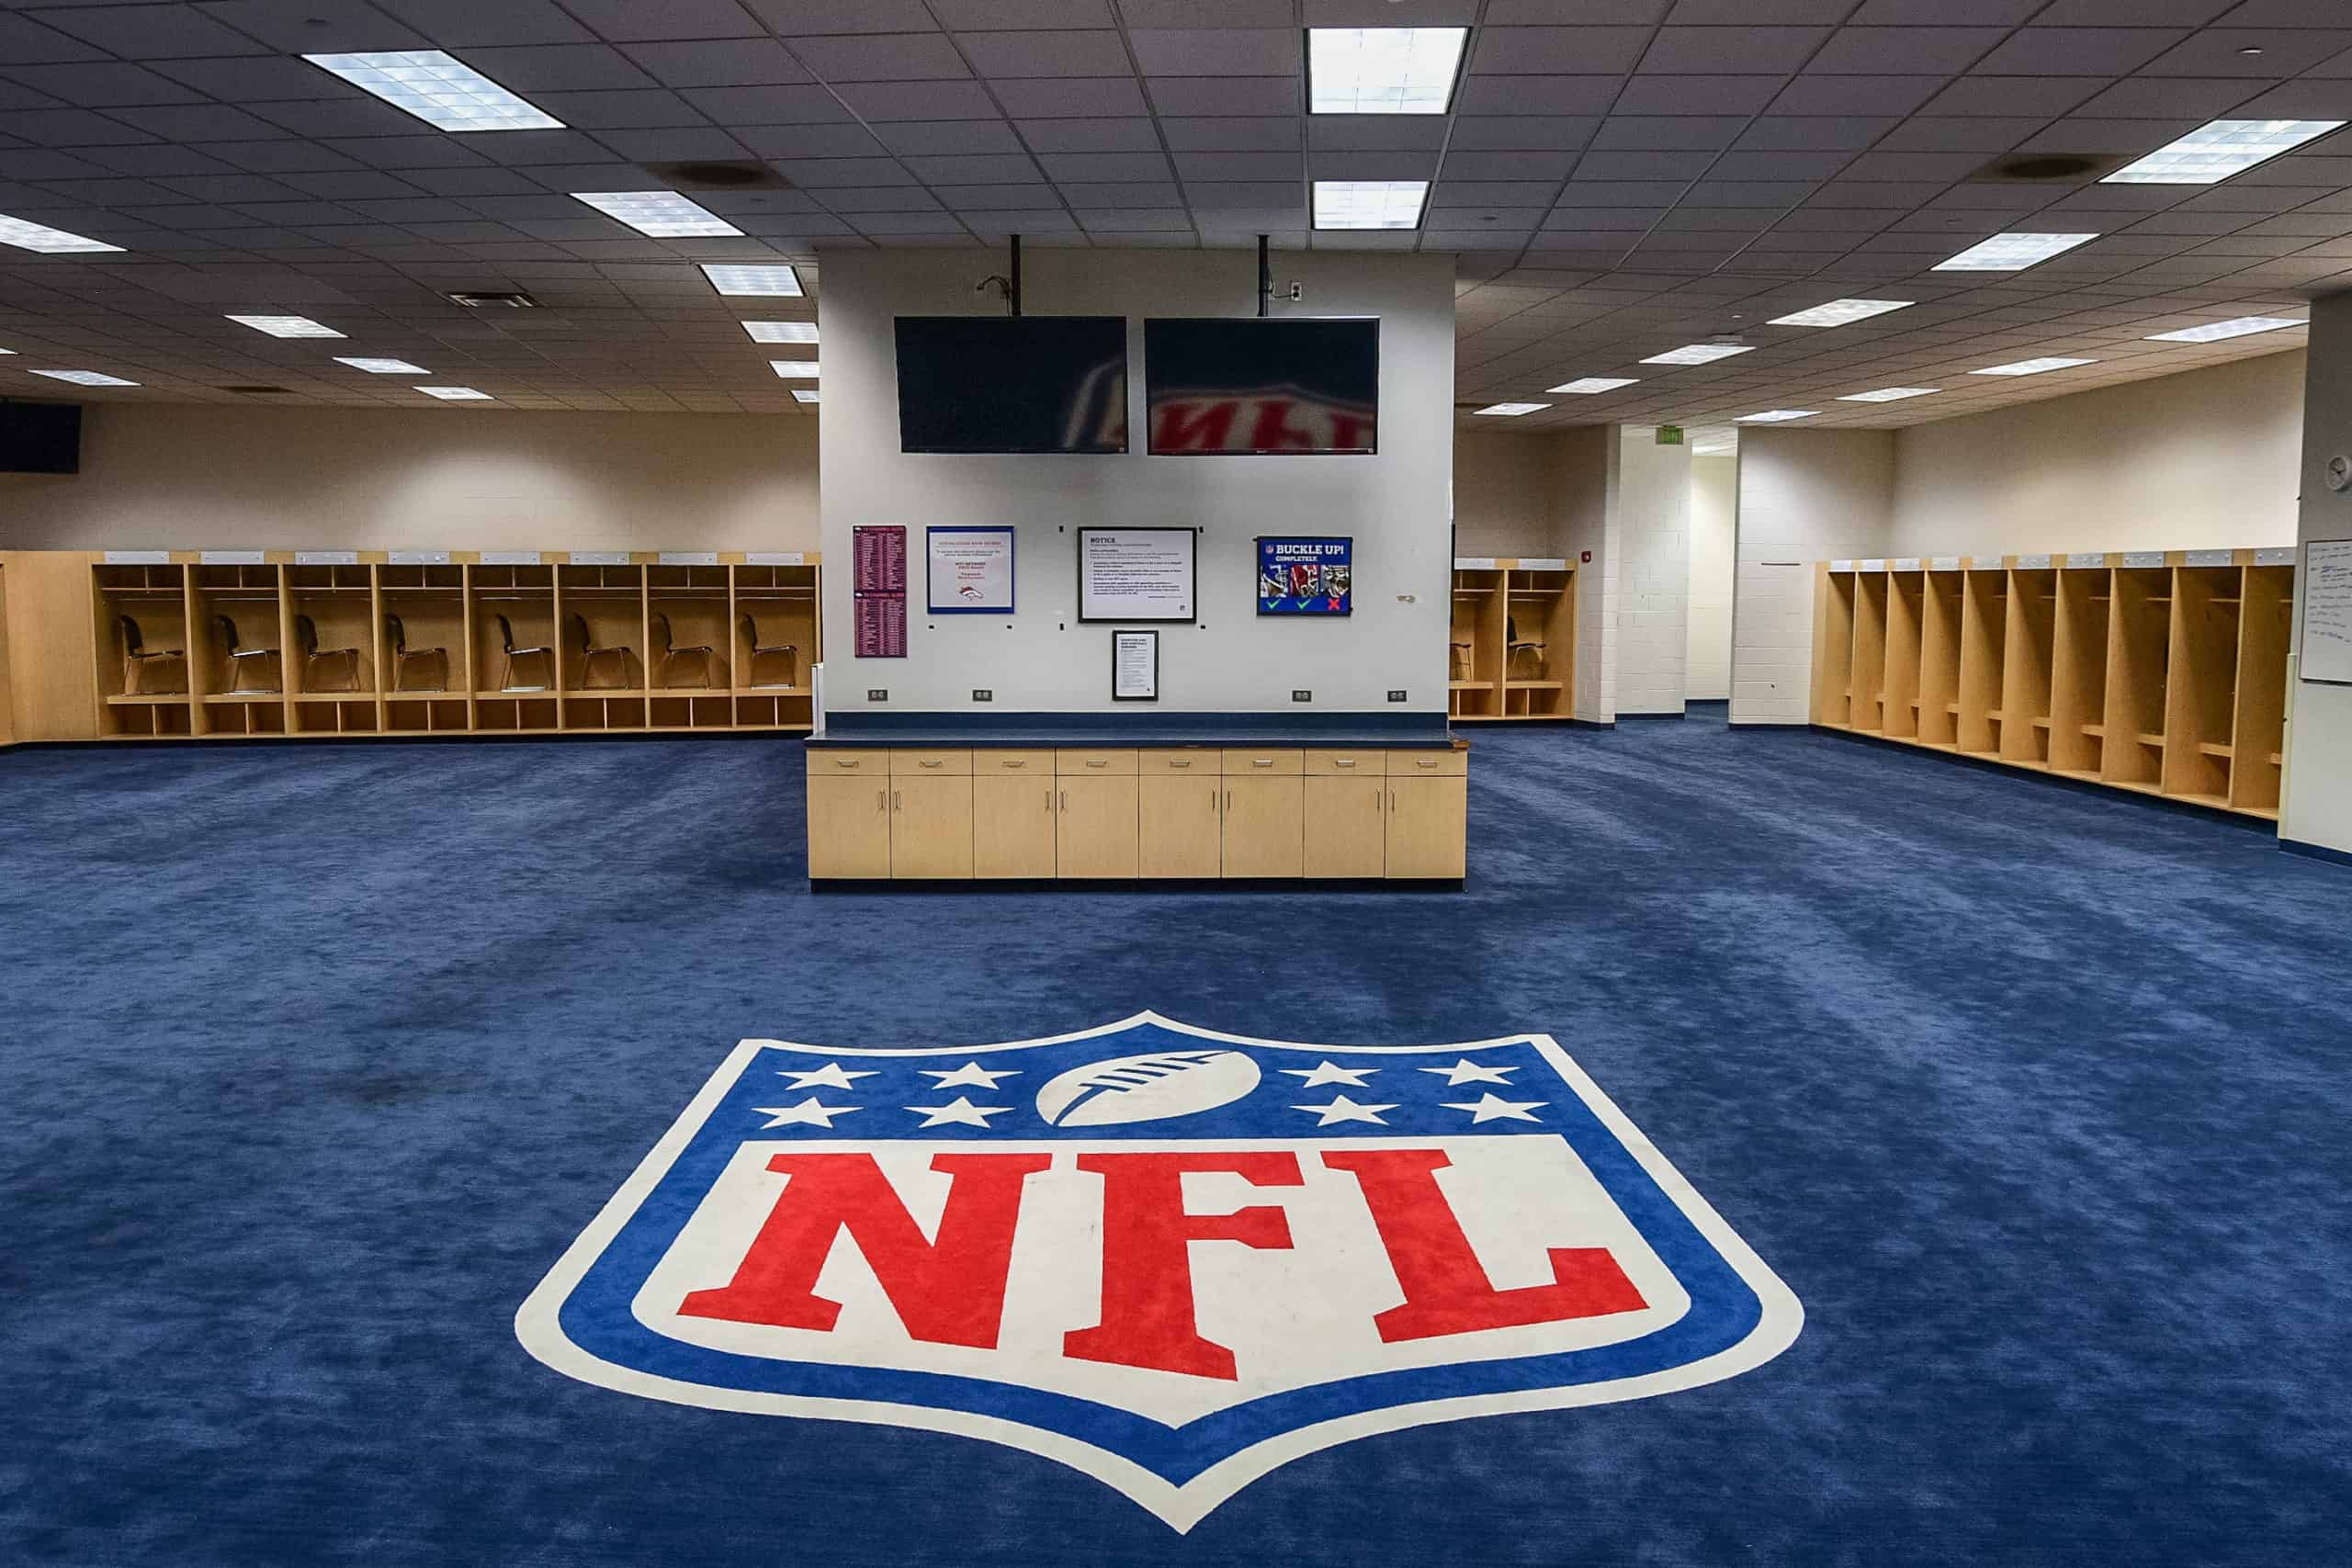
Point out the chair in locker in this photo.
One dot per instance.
(775, 664)
(701, 662)
(415, 669)
(602, 668)
(150, 672)
(324, 668)
(252, 671)
(541, 661)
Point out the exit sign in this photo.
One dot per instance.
(1669, 435)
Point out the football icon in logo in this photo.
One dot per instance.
(1147, 1088)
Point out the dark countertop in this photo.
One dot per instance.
(1201, 729)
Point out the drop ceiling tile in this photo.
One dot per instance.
(883, 57)
(1116, 135)
(287, 156)
(1069, 97)
(747, 107)
(1843, 97)
(717, 63)
(815, 173)
(1478, 165)
(101, 85)
(1225, 96)
(1713, 51)
(1208, 13)
(316, 26)
(679, 143)
(1778, 132)
(406, 152)
(974, 14)
(881, 199)
(2013, 96)
(467, 24)
(797, 17)
(579, 68)
(1536, 95)
(147, 160)
(997, 198)
(917, 100)
(998, 168)
(1376, 132)
(1240, 135)
(628, 110)
(1103, 166)
(634, 21)
(1668, 132)
(1046, 53)
(2285, 51)
(1229, 166)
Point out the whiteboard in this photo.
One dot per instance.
(2326, 584)
(1135, 574)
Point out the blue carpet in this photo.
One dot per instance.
(317, 1059)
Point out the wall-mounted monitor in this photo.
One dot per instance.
(1221, 386)
(1013, 384)
(40, 438)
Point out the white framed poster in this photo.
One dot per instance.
(2326, 584)
(968, 571)
(1137, 574)
(1134, 667)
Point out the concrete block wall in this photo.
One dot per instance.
(1804, 496)
(1653, 561)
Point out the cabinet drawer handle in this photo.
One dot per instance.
(1098, 761)
(1064, 800)
(1261, 761)
(1180, 762)
(1018, 763)
(1343, 761)
(921, 763)
(897, 802)
(846, 761)
(1425, 762)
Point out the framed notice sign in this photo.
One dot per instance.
(1136, 574)
(1134, 667)
(878, 554)
(969, 570)
(1306, 577)
(2326, 584)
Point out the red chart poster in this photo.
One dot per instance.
(879, 562)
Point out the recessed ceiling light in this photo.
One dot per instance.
(286, 326)
(782, 332)
(1888, 394)
(795, 369)
(768, 282)
(1776, 416)
(1699, 354)
(40, 237)
(1590, 386)
(1381, 70)
(384, 366)
(1369, 204)
(438, 90)
(2212, 153)
(2242, 326)
(85, 377)
(803, 394)
(660, 214)
(1511, 410)
(2012, 253)
(2031, 366)
(7, 351)
(456, 394)
(1837, 312)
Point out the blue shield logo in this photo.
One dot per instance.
(1169, 1257)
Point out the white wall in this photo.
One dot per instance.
(1804, 496)
(1715, 500)
(1043, 659)
(2316, 806)
(1652, 541)
(1581, 478)
(2202, 460)
(1500, 506)
(193, 476)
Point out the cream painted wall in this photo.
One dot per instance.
(193, 476)
(2202, 460)
(1715, 500)
(1804, 496)
(1653, 552)
(2316, 806)
(1500, 502)
(1582, 479)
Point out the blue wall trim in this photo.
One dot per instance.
(2316, 852)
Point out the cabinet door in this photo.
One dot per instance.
(1428, 826)
(1094, 834)
(1013, 826)
(1181, 823)
(931, 826)
(1265, 827)
(1347, 828)
(849, 826)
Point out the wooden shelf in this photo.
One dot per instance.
(1508, 618)
(174, 699)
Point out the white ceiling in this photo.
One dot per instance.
(1619, 177)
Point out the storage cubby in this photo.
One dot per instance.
(232, 714)
(2139, 650)
(597, 712)
(1476, 655)
(503, 715)
(427, 645)
(1983, 649)
(2200, 688)
(601, 627)
(1539, 643)
(141, 632)
(426, 715)
(1939, 637)
(1900, 717)
(2258, 733)
(2078, 730)
(688, 641)
(241, 626)
(1833, 675)
(512, 608)
(2029, 651)
(775, 640)
(333, 651)
(1868, 712)
(692, 713)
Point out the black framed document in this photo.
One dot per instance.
(1134, 667)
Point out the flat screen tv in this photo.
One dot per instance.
(1250, 385)
(40, 438)
(1012, 383)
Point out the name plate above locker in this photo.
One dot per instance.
(1944, 563)
(1986, 563)
(326, 558)
(2033, 563)
(510, 557)
(232, 557)
(689, 558)
(2091, 558)
(1841, 565)
(1905, 563)
(2144, 558)
(1877, 564)
(139, 558)
(2212, 557)
(600, 557)
(417, 558)
(1474, 563)
(777, 558)
(2276, 555)
(1543, 563)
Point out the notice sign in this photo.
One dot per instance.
(1134, 667)
(1306, 577)
(2326, 580)
(879, 554)
(1136, 574)
(969, 570)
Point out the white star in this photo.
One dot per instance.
(959, 1110)
(1467, 1071)
(807, 1113)
(1489, 1108)
(830, 1076)
(971, 1072)
(1342, 1109)
(1325, 1072)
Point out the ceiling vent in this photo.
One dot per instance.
(493, 299)
(2049, 168)
(709, 175)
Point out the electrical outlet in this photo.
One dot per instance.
(982, 694)
(1396, 697)
(1302, 696)
(877, 695)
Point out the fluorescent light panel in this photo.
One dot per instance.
(1888, 394)
(2242, 326)
(2212, 153)
(659, 214)
(85, 377)
(456, 394)
(50, 242)
(1699, 354)
(1837, 312)
(765, 282)
(803, 394)
(782, 332)
(1592, 386)
(1369, 204)
(2012, 253)
(1776, 416)
(438, 90)
(795, 369)
(286, 326)
(1383, 70)
(1511, 410)
(2031, 366)
(384, 366)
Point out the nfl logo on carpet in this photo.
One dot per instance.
(1166, 1257)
